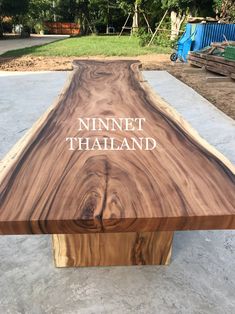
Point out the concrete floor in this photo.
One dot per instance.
(34, 40)
(201, 277)
(212, 124)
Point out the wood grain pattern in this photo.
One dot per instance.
(184, 184)
(112, 249)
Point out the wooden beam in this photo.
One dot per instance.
(217, 70)
(124, 26)
(217, 79)
(196, 63)
(112, 249)
(220, 60)
(157, 28)
(197, 59)
(147, 22)
(221, 66)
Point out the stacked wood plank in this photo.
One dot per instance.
(212, 60)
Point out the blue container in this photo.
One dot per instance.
(198, 36)
(184, 44)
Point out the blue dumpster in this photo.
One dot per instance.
(198, 36)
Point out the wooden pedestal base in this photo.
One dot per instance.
(112, 249)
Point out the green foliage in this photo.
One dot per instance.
(225, 9)
(99, 14)
(161, 40)
(103, 13)
(39, 11)
(176, 4)
(144, 37)
(39, 27)
(218, 4)
(126, 6)
(68, 10)
(13, 7)
(196, 7)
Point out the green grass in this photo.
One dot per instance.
(90, 46)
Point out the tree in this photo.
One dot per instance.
(101, 11)
(178, 10)
(73, 11)
(38, 12)
(225, 10)
(14, 9)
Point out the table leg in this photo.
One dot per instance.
(112, 249)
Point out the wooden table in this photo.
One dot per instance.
(120, 206)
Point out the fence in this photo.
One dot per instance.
(63, 28)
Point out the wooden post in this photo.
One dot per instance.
(124, 26)
(112, 249)
(147, 22)
(135, 22)
(157, 29)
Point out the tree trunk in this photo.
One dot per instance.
(135, 23)
(226, 9)
(177, 19)
(81, 22)
(1, 28)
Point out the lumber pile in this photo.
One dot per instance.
(199, 19)
(212, 59)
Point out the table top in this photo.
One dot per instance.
(111, 156)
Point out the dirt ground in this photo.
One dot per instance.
(221, 94)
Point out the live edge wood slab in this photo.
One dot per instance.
(113, 207)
